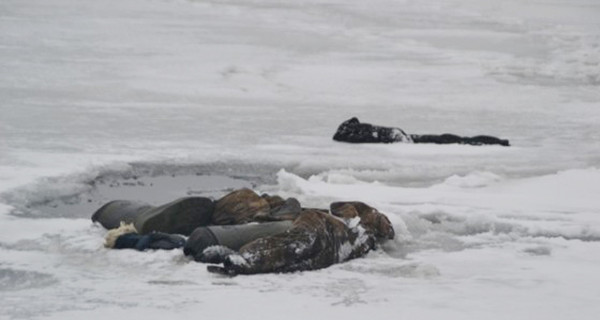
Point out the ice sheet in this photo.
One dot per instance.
(172, 93)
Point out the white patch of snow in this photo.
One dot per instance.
(237, 260)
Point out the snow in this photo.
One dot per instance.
(191, 97)
(237, 260)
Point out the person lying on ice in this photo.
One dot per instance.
(249, 234)
(354, 131)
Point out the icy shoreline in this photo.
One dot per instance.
(166, 89)
(466, 237)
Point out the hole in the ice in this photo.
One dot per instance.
(79, 196)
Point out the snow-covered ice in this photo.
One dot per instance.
(157, 99)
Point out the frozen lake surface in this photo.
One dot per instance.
(158, 99)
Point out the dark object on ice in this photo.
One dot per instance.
(181, 216)
(221, 270)
(289, 210)
(375, 223)
(295, 239)
(317, 240)
(113, 213)
(239, 207)
(280, 209)
(154, 240)
(232, 237)
(273, 201)
(354, 131)
(452, 138)
(214, 254)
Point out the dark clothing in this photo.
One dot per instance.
(154, 240)
(451, 138)
(354, 131)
